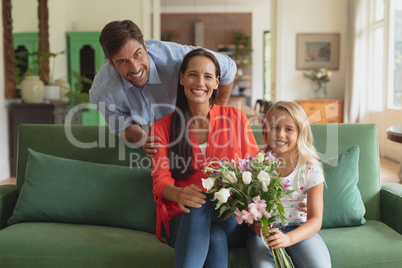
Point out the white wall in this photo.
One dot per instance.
(307, 16)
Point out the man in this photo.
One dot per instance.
(137, 84)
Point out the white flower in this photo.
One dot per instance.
(264, 177)
(222, 195)
(260, 157)
(246, 176)
(229, 177)
(264, 187)
(208, 183)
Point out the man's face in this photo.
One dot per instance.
(132, 63)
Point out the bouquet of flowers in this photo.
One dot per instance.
(322, 76)
(251, 189)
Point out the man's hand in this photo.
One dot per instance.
(151, 143)
(136, 135)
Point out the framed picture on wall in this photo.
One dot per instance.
(316, 50)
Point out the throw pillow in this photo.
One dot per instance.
(70, 191)
(343, 205)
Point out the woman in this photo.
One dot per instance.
(197, 132)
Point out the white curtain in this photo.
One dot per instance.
(357, 42)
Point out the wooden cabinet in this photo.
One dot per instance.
(85, 57)
(30, 113)
(323, 111)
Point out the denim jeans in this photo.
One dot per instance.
(311, 252)
(201, 238)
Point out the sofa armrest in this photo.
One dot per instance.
(391, 205)
(8, 199)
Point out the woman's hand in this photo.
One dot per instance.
(191, 196)
(277, 239)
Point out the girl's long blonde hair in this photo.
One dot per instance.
(305, 149)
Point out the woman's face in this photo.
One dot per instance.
(282, 133)
(199, 79)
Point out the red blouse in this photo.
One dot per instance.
(229, 137)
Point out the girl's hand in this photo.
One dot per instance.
(277, 239)
(303, 208)
(191, 196)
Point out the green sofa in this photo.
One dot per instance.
(44, 241)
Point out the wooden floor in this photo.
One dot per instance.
(8, 181)
(389, 172)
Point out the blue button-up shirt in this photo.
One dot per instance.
(123, 104)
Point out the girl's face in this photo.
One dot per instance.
(199, 79)
(282, 134)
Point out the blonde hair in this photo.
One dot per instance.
(305, 148)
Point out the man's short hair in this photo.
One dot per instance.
(116, 34)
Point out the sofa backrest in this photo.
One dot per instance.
(97, 144)
(331, 140)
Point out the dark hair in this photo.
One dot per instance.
(181, 148)
(116, 34)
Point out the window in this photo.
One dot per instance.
(395, 87)
(376, 26)
(384, 55)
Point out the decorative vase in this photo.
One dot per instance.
(321, 91)
(32, 90)
(52, 92)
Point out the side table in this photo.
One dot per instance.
(394, 133)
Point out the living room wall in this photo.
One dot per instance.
(308, 16)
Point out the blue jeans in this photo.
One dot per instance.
(311, 252)
(202, 239)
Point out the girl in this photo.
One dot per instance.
(197, 132)
(287, 134)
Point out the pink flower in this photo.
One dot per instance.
(238, 214)
(244, 165)
(286, 184)
(261, 204)
(254, 211)
(267, 214)
(243, 216)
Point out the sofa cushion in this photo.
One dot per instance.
(49, 245)
(372, 245)
(64, 190)
(343, 205)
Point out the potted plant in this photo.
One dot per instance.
(243, 50)
(32, 70)
(79, 97)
